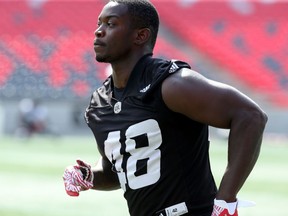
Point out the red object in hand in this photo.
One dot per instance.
(222, 208)
(78, 178)
(219, 211)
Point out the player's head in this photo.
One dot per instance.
(125, 28)
(142, 14)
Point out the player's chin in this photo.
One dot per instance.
(101, 58)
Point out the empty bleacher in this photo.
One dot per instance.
(47, 50)
(46, 47)
(249, 38)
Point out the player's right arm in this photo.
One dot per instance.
(104, 177)
(222, 106)
(81, 177)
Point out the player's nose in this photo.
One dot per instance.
(99, 32)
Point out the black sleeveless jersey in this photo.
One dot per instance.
(161, 157)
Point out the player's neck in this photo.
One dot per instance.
(121, 70)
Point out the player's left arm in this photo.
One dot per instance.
(221, 106)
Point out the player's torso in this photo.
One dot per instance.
(152, 149)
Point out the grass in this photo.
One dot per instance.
(31, 179)
(267, 185)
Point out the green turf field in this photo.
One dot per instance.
(31, 179)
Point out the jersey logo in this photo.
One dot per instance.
(174, 67)
(145, 89)
(117, 107)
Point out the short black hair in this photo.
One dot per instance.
(143, 15)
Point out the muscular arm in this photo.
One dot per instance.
(104, 177)
(221, 106)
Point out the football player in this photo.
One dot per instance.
(150, 120)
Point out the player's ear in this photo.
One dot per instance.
(142, 36)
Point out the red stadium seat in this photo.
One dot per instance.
(6, 68)
(53, 41)
(252, 44)
(54, 44)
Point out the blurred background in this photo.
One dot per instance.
(48, 72)
(47, 60)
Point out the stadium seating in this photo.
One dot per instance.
(47, 50)
(249, 38)
(47, 45)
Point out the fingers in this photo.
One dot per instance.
(78, 178)
(83, 164)
(70, 181)
(72, 193)
(71, 190)
(85, 168)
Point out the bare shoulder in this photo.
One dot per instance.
(187, 78)
(190, 87)
(202, 99)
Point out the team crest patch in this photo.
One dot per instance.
(117, 107)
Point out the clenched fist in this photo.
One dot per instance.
(78, 178)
